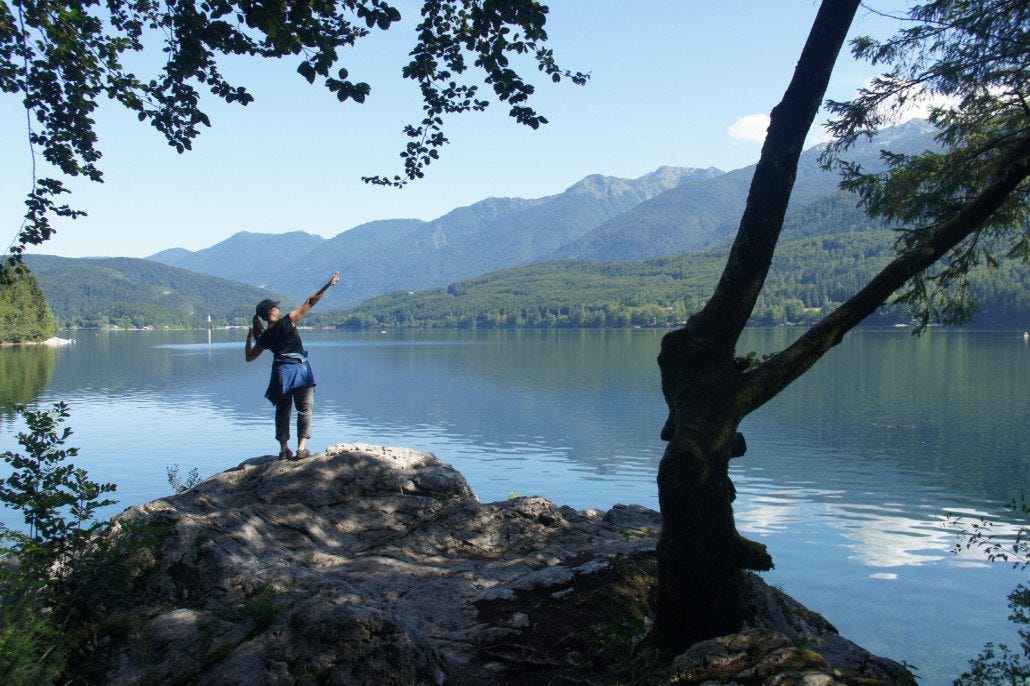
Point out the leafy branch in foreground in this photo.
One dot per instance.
(57, 500)
(982, 535)
(63, 57)
(999, 664)
(56, 579)
(969, 62)
(449, 34)
(180, 484)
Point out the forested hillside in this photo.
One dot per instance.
(246, 257)
(127, 292)
(24, 313)
(809, 276)
(688, 218)
(830, 248)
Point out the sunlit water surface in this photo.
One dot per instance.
(848, 477)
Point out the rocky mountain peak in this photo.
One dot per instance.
(647, 186)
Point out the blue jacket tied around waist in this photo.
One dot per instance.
(289, 371)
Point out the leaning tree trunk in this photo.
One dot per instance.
(701, 556)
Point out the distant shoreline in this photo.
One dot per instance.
(55, 341)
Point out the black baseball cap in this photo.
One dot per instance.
(265, 306)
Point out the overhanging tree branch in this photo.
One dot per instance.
(783, 368)
(61, 56)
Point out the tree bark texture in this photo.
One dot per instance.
(701, 556)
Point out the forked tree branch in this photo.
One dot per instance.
(727, 312)
(783, 368)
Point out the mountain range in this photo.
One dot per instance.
(542, 248)
(828, 250)
(600, 218)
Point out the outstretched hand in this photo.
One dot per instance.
(302, 309)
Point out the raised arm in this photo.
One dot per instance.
(305, 307)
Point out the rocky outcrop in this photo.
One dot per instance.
(373, 565)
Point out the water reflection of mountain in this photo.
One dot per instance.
(506, 391)
(594, 396)
(945, 410)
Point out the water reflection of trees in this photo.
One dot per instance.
(947, 407)
(24, 373)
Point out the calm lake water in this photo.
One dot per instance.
(848, 477)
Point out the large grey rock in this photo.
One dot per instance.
(373, 565)
(360, 565)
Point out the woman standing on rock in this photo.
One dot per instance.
(292, 383)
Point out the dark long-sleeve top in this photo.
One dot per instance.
(290, 367)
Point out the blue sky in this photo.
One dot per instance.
(674, 82)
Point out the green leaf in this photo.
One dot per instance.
(307, 71)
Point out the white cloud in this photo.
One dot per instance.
(920, 106)
(917, 104)
(817, 135)
(750, 128)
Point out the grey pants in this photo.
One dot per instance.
(304, 400)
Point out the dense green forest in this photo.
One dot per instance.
(809, 276)
(24, 312)
(134, 293)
